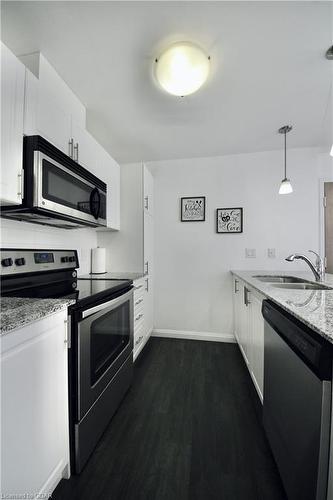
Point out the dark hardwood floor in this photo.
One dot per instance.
(188, 429)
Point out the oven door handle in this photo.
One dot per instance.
(107, 305)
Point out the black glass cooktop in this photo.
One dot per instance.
(51, 287)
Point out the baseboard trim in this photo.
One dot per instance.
(191, 335)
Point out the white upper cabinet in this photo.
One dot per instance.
(43, 115)
(85, 149)
(12, 106)
(36, 101)
(50, 106)
(148, 189)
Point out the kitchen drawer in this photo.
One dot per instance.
(139, 340)
(138, 321)
(138, 302)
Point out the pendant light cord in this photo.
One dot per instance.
(285, 154)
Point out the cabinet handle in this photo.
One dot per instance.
(147, 267)
(147, 285)
(246, 296)
(138, 287)
(138, 317)
(76, 150)
(139, 340)
(138, 302)
(146, 202)
(20, 190)
(236, 288)
(68, 335)
(70, 148)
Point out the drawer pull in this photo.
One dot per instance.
(138, 302)
(139, 340)
(138, 317)
(236, 287)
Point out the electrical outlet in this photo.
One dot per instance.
(271, 253)
(250, 253)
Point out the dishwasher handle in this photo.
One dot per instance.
(314, 350)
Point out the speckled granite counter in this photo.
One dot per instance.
(312, 307)
(17, 312)
(113, 276)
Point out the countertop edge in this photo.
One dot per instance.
(23, 312)
(262, 289)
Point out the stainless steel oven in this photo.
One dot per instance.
(105, 340)
(57, 190)
(103, 357)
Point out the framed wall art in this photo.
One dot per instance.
(229, 220)
(193, 209)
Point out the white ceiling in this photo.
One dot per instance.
(268, 69)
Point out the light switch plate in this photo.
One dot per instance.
(271, 253)
(250, 253)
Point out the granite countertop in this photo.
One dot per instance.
(312, 307)
(113, 276)
(17, 312)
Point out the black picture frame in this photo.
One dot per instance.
(194, 199)
(230, 221)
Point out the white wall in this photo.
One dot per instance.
(192, 262)
(16, 234)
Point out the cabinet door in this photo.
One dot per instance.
(34, 408)
(43, 115)
(86, 149)
(12, 105)
(148, 189)
(148, 306)
(109, 172)
(237, 297)
(256, 355)
(244, 323)
(148, 244)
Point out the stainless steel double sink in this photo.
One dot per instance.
(291, 282)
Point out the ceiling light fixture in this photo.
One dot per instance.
(182, 69)
(285, 186)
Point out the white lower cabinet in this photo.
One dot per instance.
(143, 313)
(34, 408)
(249, 330)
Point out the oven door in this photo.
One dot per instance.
(58, 189)
(105, 341)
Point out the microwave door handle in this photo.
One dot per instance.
(107, 305)
(95, 203)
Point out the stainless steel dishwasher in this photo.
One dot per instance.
(297, 403)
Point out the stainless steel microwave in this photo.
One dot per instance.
(57, 191)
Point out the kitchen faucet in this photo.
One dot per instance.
(318, 268)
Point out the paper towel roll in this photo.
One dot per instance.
(98, 260)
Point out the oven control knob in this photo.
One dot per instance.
(7, 262)
(74, 284)
(74, 274)
(64, 259)
(20, 262)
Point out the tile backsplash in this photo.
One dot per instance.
(17, 234)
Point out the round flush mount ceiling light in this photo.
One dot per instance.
(182, 69)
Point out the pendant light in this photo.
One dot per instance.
(285, 186)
